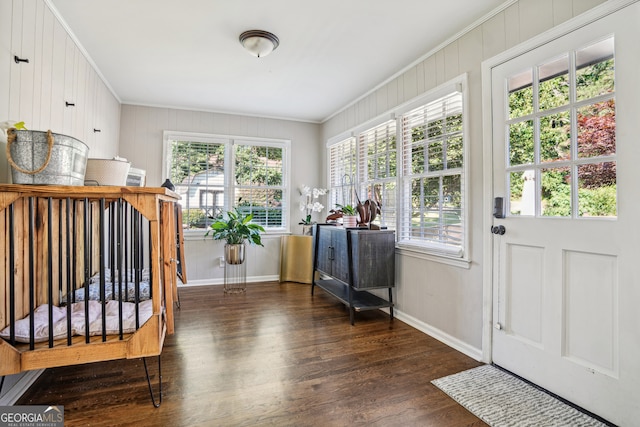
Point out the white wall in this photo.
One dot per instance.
(36, 92)
(444, 300)
(58, 71)
(141, 142)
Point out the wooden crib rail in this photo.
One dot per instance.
(38, 261)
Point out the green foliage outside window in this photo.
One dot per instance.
(595, 137)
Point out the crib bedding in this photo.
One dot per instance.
(113, 283)
(41, 320)
(112, 292)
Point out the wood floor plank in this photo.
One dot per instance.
(275, 356)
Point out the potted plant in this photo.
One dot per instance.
(349, 215)
(235, 228)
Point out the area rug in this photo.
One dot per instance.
(500, 399)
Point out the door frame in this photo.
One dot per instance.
(488, 239)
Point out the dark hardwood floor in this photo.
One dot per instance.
(274, 356)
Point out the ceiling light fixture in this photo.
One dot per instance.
(259, 43)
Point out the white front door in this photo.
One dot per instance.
(566, 160)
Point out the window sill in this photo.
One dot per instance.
(427, 255)
(192, 235)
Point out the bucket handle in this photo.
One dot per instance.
(11, 137)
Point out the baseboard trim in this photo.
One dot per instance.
(19, 388)
(453, 342)
(220, 281)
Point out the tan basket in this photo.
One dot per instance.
(106, 172)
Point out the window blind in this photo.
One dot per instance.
(342, 172)
(377, 166)
(433, 176)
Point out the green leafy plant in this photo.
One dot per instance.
(347, 210)
(235, 227)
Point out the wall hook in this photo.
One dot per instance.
(69, 104)
(96, 130)
(19, 60)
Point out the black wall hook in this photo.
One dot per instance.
(69, 104)
(96, 130)
(19, 60)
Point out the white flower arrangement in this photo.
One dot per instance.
(309, 201)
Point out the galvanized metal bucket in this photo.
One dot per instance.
(47, 158)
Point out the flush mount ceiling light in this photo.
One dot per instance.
(259, 43)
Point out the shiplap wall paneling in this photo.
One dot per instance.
(22, 73)
(424, 288)
(56, 120)
(5, 76)
(46, 23)
(69, 101)
(80, 79)
(90, 110)
(57, 72)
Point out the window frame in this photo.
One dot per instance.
(424, 250)
(440, 248)
(230, 188)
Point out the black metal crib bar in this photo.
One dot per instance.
(120, 243)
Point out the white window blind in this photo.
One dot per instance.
(342, 172)
(433, 176)
(377, 167)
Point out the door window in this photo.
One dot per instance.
(561, 132)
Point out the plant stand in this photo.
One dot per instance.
(235, 278)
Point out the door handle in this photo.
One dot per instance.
(498, 229)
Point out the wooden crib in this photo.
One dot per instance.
(56, 242)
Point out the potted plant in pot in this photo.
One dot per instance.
(349, 215)
(235, 228)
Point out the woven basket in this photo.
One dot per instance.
(106, 172)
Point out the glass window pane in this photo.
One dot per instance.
(595, 70)
(522, 191)
(597, 192)
(197, 171)
(258, 166)
(452, 208)
(554, 83)
(436, 162)
(431, 212)
(417, 205)
(417, 159)
(555, 137)
(521, 143)
(454, 123)
(434, 129)
(520, 92)
(385, 194)
(597, 129)
(264, 204)
(454, 152)
(342, 159)
(556, 192)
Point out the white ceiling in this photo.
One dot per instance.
(186, 54)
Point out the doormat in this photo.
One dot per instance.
(500, 399)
